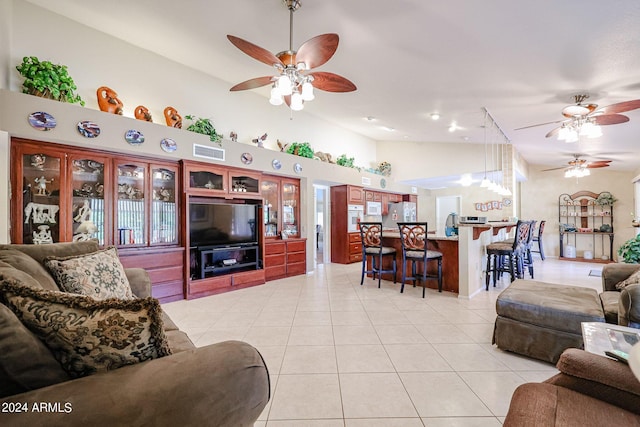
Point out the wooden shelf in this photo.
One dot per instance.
(581, 259)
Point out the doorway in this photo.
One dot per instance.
(321, 223)
(444, 206)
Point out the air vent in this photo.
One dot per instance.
(366, 180)
(414, 190)
(213, 153)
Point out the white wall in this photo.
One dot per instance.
(140, 77)
(5, 41)
(541, 202)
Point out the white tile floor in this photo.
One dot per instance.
(341, 354)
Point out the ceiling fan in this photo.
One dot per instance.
(583, 119)
(580, 167)
(293, 84)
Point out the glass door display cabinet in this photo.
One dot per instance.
(164, 209)
(586, 226)
(271, 206)
(290, 207)
(130, 207)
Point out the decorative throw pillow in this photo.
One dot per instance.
(87, 336)
(99, 275)
(634, 279)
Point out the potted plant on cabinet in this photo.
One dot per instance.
(48, 80)
(204, 127)
(302, 149)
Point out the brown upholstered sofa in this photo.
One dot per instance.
(224, 384)
(590, 390)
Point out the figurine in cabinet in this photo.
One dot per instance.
(84, 212)
(108, 101)
(38, 160)
(142, 113)
(85, 231)
(43, 236)
(41, 185)
(260, 140)
(173, 118)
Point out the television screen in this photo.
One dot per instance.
(221, 224)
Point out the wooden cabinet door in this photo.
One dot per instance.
(131, 206)
(385, 197)
(291, 207)
(244, 183)
(205, 180)
(163, 227)
(271, 206)
(355, 195)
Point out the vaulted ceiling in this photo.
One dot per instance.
(523, 61)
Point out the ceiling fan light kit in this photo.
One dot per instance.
(293, 85)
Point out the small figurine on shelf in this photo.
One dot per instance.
(42, 236)
(142, 113)
(282, 146)
(38, 160)
(41, 185)
(84, 212)
(384, 168)
(173, 118)
(85, 231)
(260, 140)
(108, 101)
(233, 136)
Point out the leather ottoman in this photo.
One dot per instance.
(541, 320)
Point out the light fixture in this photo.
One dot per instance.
(504, 153)
(572, 130)
(453, 127)
(577, 171)
(466, 180)
(435, 116)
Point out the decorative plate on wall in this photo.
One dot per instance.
(506, 202)
(383, 183)
(297, 168)
(246, 158)
(134, 137)
(276, 164)
(168, 145)
(42, 121)
(88, 129)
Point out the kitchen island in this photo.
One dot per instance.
(463, 256)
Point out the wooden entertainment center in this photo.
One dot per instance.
(141, 205)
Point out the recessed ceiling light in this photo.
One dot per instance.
(435, 116)
(453, 127)
(465, 138)
(370, 118)
(388, 129)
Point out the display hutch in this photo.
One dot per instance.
(586, 224)
(64, 194)
(285, 251)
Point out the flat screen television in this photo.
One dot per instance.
(219, 224)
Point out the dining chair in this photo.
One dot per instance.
(371, 236)
(413, 236)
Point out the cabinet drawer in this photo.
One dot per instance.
(296, 257)
(248, 277)
(296, 269)
(277, 272)
(274, 248)
(355, 248)
(296, 246)
(209, 284)
(354, 238)
(355, 257)
(273, 260)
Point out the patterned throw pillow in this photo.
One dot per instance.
(634, 279)
(87, 336)
(99, 275)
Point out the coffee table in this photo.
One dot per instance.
(599, 337)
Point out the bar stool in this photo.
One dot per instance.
(508, 257)
(527, 257)
(371, 236)
(538, 238)
(413, 236)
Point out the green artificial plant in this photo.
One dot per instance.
(343, 160)
(630, 250)
(42, 78)
(302, 149)
(204, 127)
(605, 198)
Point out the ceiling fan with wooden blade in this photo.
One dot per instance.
(293, 84)
(585, 119)
(578, 165)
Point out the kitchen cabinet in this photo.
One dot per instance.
(63, 194)
(203, 179)
(355, 194)
(372, 196)
(285, 258)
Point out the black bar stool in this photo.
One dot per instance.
(371, 236)
(413, 236)
(538, 239)
(508, 256)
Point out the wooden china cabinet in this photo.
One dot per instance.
(285, 251)
(64, 194)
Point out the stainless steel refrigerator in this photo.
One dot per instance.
(399, 212)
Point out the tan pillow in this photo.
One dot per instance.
(87, 336)
(99, 275)
(634, 279)
(26, 264)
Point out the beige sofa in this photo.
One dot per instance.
(590, 390)
(225, 384)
